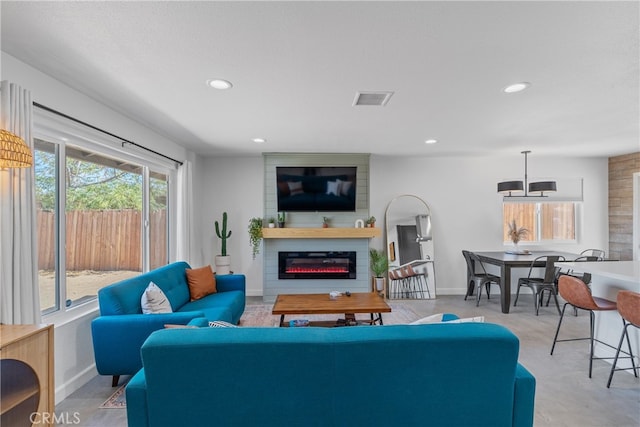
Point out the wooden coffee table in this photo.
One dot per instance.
(366, 302)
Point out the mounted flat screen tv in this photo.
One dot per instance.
(316, 189)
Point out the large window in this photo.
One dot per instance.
(100, 219)
(545, 221)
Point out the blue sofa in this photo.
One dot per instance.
(464, 374)
(121, 328)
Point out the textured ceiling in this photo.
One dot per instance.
(296, 68)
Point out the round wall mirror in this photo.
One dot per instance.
(409, 238)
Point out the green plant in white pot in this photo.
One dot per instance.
(379, 264)
(223, 261)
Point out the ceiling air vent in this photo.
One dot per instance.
(378, 99)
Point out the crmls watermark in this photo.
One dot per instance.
(64, 418)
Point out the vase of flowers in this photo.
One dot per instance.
(516, 234)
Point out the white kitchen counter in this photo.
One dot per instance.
(617, 270)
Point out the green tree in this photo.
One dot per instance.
(95, 187)
(92, 186)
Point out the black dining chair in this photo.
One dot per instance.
(598, 253)
(585, 277)
(540, 285)
(478, 280)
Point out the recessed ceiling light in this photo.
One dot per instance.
(259, 140)
(516, 87)
(431, 141)
(219, 84)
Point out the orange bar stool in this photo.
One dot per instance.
(577, 294)
(408, 281)
(629, 309)
(397, 283)
(393, 278)
(419, 282)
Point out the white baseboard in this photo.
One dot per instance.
(64, 390)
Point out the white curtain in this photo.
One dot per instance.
(19, 296)
(184, 214)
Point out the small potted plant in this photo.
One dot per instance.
(255, 235)
(379, 265)
(223, 261)
(272, 222)
(325, 221)
(371, 222)
(281, 218)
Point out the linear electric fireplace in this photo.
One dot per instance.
(316, 265)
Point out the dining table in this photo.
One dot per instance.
(507, 261)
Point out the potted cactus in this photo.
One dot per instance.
(223, 261)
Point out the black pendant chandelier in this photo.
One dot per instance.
(539, 188)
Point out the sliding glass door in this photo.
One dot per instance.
(100, 219)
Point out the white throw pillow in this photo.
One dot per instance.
(333, 187)
(434, 318)
(345, 186)
(154, 301)
(437, 318)
(478, 319)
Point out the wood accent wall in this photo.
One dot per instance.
(621, 170)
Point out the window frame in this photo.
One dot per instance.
(61, 131)
(538, 213)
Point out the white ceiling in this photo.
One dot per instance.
(296, 67)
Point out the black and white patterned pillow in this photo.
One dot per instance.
(221, 324)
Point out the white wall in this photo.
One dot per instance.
(234, 185)
(460, 191)
(74, 361)
(467, 211)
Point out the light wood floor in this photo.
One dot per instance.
(565, 396)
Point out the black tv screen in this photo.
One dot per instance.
(316, 189)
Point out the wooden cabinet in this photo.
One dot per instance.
(27, 387)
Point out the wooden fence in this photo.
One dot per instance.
(107, 240)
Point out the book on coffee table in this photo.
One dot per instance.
(296, 323)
